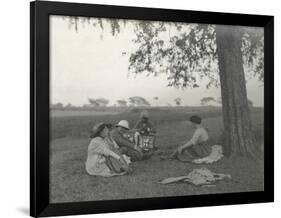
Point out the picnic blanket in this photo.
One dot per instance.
(198, 177)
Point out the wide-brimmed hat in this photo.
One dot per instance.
(97, 129)
(195, 119)
(123, 123)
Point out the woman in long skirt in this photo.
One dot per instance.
(197, 146)
(100, 155)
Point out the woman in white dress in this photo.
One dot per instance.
(99, 153)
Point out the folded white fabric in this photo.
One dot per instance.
(215, 155)
(202, 176)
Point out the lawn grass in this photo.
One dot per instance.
(69, 181)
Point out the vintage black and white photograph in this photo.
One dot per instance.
(145, 109)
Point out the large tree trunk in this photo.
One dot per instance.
(238, 138)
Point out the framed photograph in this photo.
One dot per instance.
(143, 108)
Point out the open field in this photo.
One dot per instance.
(70, 182)
(79, 122)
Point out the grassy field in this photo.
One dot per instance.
(70, 182)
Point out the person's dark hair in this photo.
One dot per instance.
(109, 126)
(97, 129)
(92, 135)
(195, 119)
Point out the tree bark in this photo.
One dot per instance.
(238, 138)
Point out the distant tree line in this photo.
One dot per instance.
(135, 101)
(207, 101)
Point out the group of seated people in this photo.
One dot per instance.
(112, 149)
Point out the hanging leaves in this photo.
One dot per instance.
(187, 56)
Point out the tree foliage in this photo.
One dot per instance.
(121, 103)
(102, 102)
(207, 100)
(57, 106)
(186, 53)
(138, 101)
(99, 102)
(178, 101)
(190, 54)
(68, 106)
(253, 52)
(93, 102)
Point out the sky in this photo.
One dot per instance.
(91, 63)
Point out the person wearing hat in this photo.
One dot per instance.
(144, 127)
(126, 146)
(197, 146)
(99, 152)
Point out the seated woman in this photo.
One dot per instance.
(197, 146)
(145, 129)
(100, 155)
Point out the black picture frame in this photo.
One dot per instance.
(39, 108)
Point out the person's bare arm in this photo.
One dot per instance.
(186, 145)
(191, 142)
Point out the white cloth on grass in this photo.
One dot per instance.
(204, 176)
(201, 176)
(215, 155)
